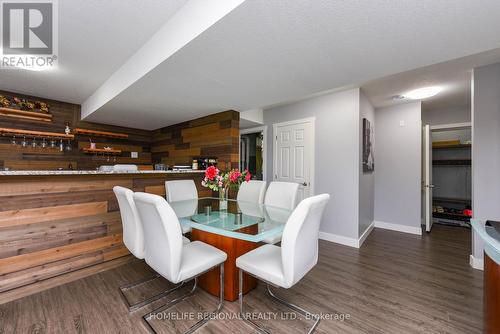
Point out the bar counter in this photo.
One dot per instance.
(59, 226)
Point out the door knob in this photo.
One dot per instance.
(304, 184)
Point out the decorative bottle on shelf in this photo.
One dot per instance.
(67, 130)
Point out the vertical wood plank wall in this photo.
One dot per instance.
(214, 135)
(55, 226)
(19, 158)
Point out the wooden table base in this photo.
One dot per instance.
(233, 248)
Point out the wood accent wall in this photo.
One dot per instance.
(19, 158)
(53, 228)
(214, 135)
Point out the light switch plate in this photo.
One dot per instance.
(134, 155)
(402, 123)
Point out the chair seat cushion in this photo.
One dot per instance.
(185, 225)
(273, 240)
(198, 257)
(264, 263)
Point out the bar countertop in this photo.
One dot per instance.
(90, 172)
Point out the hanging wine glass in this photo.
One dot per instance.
(33, 143)
(52, 143)
(24, 143)
(13, 141)
(61, 145)
(68, 146)
(44, 143)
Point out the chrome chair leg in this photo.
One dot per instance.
(201, 322)
(244, 316)
(296, 308)
(281, 301)
(141, 304)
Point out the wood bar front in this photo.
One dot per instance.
(58, 228)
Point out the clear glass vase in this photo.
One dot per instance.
(223, 193)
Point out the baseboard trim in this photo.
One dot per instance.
(346, 241)
(476, 263)
(398, 227)
(365, 234)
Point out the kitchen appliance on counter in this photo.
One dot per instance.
(204, 162)
(118, 168)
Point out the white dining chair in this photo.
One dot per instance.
(181, 190)
(133, 239)
(252, 191)
(281, 195)
(168, 256)
(286, 265)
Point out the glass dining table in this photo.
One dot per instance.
(241, 220)
(236, 230)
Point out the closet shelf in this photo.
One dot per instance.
(452, 147)
(452, 200)
(452, 162)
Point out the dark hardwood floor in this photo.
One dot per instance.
(396, 283)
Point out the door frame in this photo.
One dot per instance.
(312, 121)
(262, 129)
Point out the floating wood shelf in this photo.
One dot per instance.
(37, 134)
(101, 150)
(25, 115)
(88, 132)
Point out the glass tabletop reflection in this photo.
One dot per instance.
(242, 220)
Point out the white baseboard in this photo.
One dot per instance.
(346, 241)
(365, 234)
(476, 263)
(399, 228)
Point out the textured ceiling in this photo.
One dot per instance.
(453, 76)
(268, 52)
(95, 38)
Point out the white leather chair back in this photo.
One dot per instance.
(299, 243)
(133, 236)
(252, 191)
(162, 235)
(282, 195)
(181, 190)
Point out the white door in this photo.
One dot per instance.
(293, 154)
(427, 155)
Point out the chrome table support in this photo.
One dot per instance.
(139, 305)
(278, 299)
(201, 322)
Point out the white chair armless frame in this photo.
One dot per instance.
(133, 238)
(286, 265)
(167, 255)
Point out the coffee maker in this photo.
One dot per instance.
(204, 162)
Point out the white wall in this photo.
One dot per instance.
(337, 154)
(485, 147)
(366, 180)
(446, 116)
(398, 167)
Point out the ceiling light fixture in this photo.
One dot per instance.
(423, 93)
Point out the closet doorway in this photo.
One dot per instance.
(252, 152)
(451, 174)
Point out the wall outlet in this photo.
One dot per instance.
(134, 155)
(402, 123)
